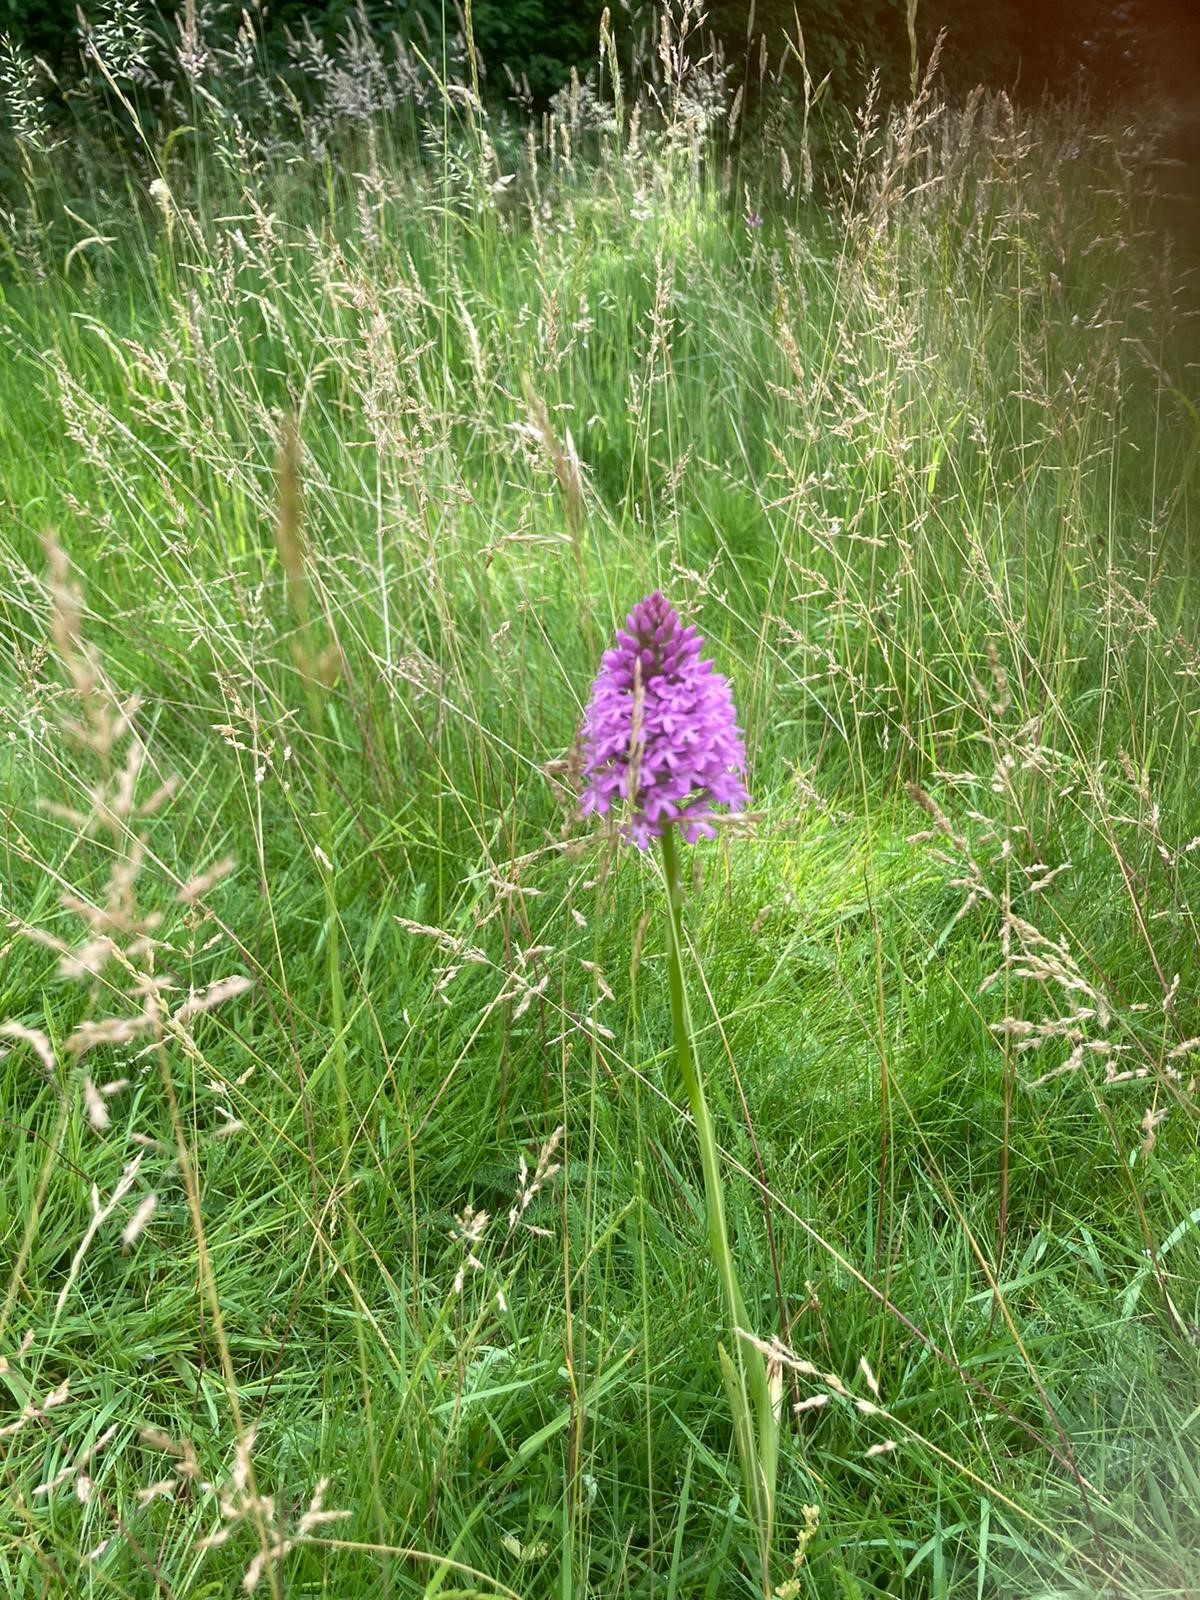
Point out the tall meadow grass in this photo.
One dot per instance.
(351, 1226)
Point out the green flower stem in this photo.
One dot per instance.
(754, 1398)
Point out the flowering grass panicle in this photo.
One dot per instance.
(660, 730)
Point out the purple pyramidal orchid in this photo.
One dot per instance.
(660, 730)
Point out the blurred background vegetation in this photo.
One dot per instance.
(1024, 46)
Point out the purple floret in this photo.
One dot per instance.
(662, 720)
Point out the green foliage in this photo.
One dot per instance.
(1026, 47)
(540, 40)
(917, 456)
(848, 42)
(44, 27)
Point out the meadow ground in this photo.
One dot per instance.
(346, 1169)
